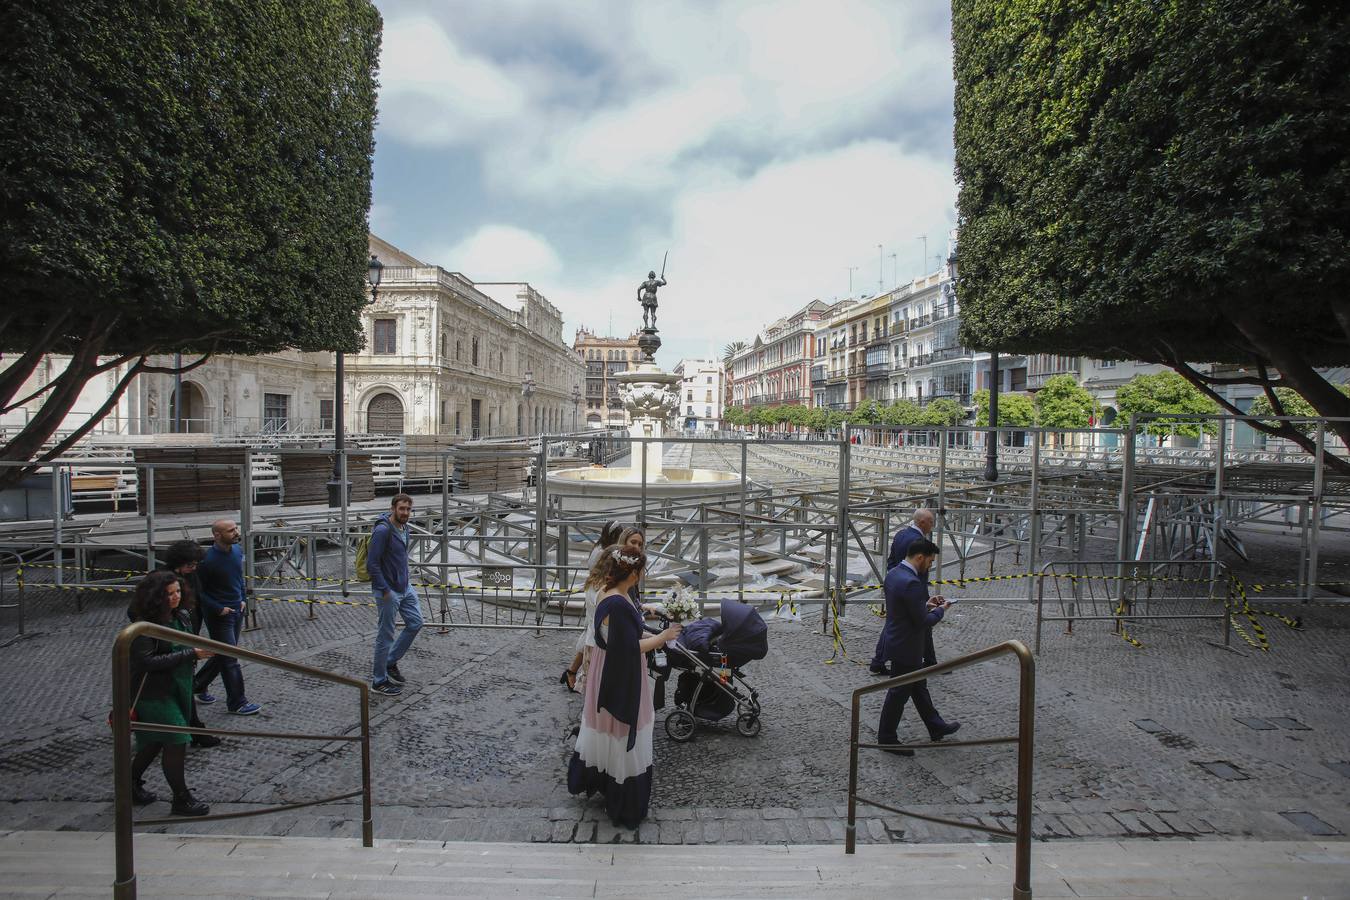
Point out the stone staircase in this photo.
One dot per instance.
(71, 864)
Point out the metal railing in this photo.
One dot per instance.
(124, 887)
(1144, 590)
(1026, 708)
(18, 586)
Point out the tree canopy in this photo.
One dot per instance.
(1165, 393)
(1062, 403)
(1160, 180)
(180, 176)
(1013, 409)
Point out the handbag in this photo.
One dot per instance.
(134, 701)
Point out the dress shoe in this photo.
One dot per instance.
(205, 740)
(188, 805)
(898, 751)
(943, 730)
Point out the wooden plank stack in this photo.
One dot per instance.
(190, 490)
(425, 467)
(497, 467)
(305, 477)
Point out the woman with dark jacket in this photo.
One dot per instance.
(181, 558)
(161, 677)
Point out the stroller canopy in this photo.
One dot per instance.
(744, 636)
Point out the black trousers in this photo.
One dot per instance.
(894, 707)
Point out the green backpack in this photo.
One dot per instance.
(362, 552)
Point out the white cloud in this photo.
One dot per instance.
(503, 253)
(432, 92)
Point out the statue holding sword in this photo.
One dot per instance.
(647, 294)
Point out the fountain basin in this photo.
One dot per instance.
(596, 488)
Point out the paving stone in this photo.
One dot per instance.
(1255, 723)
(1149, 726)
(1311, 824)
(1289, 724)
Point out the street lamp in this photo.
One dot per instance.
(339, 485)
(576, 404)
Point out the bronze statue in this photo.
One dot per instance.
(647, 296)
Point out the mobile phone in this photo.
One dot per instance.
(952, 599)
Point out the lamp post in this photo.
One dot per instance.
(576, 404)
(339, 485)
(527, 391)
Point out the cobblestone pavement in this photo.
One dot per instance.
(1180, 739)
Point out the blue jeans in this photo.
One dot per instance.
(226, 630)
(387, 650)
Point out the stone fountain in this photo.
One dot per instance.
(651, 398)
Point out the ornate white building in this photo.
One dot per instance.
(443, 355)
(700, 394)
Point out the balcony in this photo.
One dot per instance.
(920, 359)
(946, 354)
(944, 313)
(817, 376)
(879, 339)
(920, 322)
(837, 377)
(878, 370)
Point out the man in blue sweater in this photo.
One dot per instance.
(920, 529)
(387, 562)
(221, 573)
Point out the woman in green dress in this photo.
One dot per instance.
(161, 676)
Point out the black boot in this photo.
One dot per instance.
(188, 805)
(205, 740)
(140, 796)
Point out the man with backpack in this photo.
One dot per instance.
(391, 582)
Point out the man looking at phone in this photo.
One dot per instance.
(907, 639)
(919, 529)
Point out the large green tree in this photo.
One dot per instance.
(178, 175)
(1014, 409)
(1063, 403)
(1165, 180)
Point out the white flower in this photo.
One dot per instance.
(679, 606)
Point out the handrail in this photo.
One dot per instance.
(124, 887)
(1026, 707)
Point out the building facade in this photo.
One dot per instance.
(604, 357)
(442, 355)
(700, 394)
(775, 368)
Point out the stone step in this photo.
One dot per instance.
(81, 864)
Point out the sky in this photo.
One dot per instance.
(768, 147)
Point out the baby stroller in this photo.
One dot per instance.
(709, 656)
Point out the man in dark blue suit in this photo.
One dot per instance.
(919, 529)
(908, 641)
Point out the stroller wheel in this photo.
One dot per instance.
(680, 725)
(747, 724)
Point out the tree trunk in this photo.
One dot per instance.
(1321, 394)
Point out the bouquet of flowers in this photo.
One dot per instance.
(679, 606)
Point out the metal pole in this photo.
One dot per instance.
(339, 483)
(642, 513)
(740, 557)
(149, 518)
(1034, 521)
(342, 519)
(1127, 502)
(541, 520)
(1220, 451)
(124, 885)
(991, 450)
(367, 821)
(841, 522)
(1026, 736)
(851, 829)
(942, 497)
(246, 527)
(1315, 509)
(56, 524)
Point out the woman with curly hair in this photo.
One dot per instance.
(613, 752)
(161, 676)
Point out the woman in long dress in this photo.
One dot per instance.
(574, 673)
(613, 753)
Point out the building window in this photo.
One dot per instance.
(275, 411)
(1106, 363)
(443, 417)
(386, 336)
(325, 414)
(457, 417)
(445, 343)
(475, 351)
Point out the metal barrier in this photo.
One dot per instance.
(124, 887)
(1139, 587)
(1026, 709)
(18, 585)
